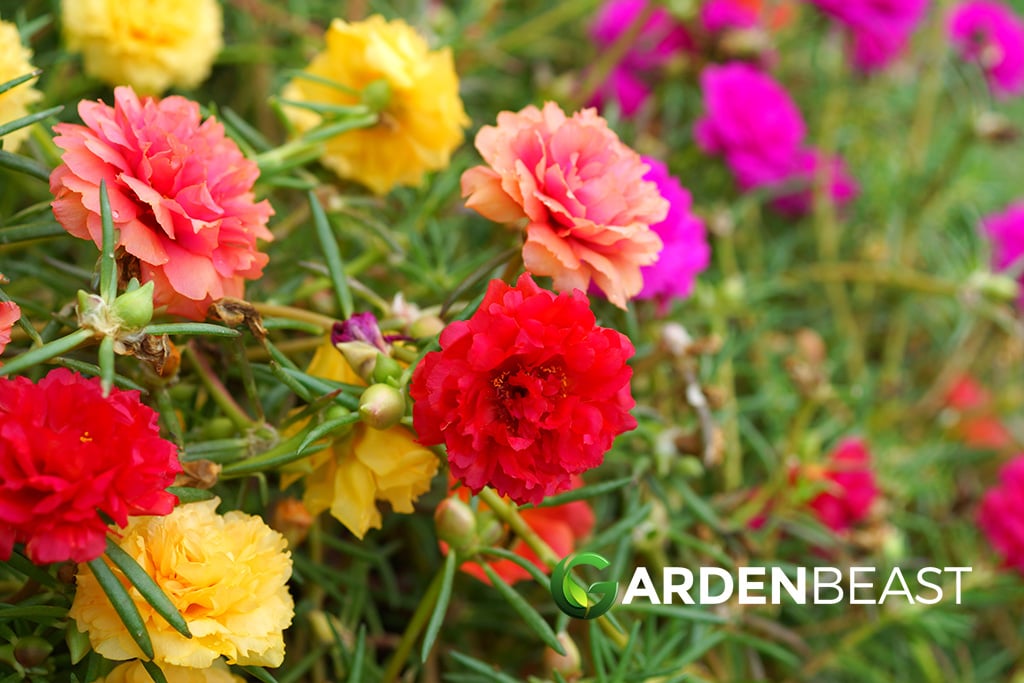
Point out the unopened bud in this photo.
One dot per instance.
(569, 665)
(456, 525)
(377, 95)
(292, 520)
(381, 406)
(489, 529)
(386, 368)
(426, 326)
(994, 286)
(995, 128)
(360, 356)
(32, 651)
(744, 43)
(134, 308)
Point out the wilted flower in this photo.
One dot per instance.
(879, 29)
(67, 454)
(660, 39)
(849, 482)
(992, 35)
(1000, 513)
(364, 466)
(180, 196)
(525, 393)
(14, 62)
(581, 191)
(149, 45)
(9, 314)
(226, 574)
(134, 672)
(685, 253)
(421, 115)
(1005, 232)
(752, 122)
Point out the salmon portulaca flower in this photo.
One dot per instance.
(581, 193)
(525, 393)
(9, 314)
(180, 196)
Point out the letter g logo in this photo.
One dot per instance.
(572, 599)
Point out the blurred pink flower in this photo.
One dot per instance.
(180, 196)
(9, 314)
(686, 252)
(582, 193)
(1002, 511)
(722, 15)
(1005, 231)
(661, 38)
(752, 122)
(880, 29)
(850, 486)
(991, 34)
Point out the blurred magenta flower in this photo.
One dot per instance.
(752, 122)
(850, 486)
(661, 38)
(722, 15)
(1005, 232)
(1001, 512)
(991, 34)
(686, 252)
(879, 29)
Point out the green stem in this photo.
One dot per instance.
(44, 353)
(414, 628)
(218, 391)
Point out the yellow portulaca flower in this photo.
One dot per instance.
(134, 672)
(422, 118)
(150, 45)
(226, 574)
(364, 466)
(14, 62)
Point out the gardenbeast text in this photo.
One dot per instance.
(773, 585)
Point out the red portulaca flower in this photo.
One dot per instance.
(526, 393)
(180, 195)
(68, 454)
(1001, 512)
(9, 314)
(850, 487)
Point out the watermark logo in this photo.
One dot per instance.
(571, 598)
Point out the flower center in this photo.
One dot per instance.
(529, 393)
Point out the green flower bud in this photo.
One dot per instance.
(426, 326)
(32, 651)
(456, 525)
(994, 286)
(381, 406)
(134, 308)
(377, 95)
(386, 368)
(361, 357)
(569, 665)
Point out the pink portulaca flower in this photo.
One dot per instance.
(880, 29)
(753, 123)
(992, 35)
(686, 252)
(180, 196)
(1001, 512)
(723, 15)
(579, 191)
(850, 487)
(659, 41)
(1005, 231)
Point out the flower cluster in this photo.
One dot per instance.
(150, 45)
(226, 574)
(752, 122)
(15, 62)
(421, 117)
(525, 393)
(879, 29)
(990, 34)
(180, 196)
(581, 193)
(68, 456)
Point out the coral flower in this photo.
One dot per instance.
(977, 424)
(364, 466)
(149, 45)
(14, 62)
(880, 29)
(1005, 232)
(686, 252)
(991, 34)
(226, 574)
(850, 487)
(421, 118)
(1001, 511)
(9, 314)
(525, 393)
(68, 456)
(581, 191)
(180, 196)
(134, 672)
(754, 124)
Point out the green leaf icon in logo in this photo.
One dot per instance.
(571, 598)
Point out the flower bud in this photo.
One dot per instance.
(93, 312)
(291, 518)
(568, 665)
(134, 308)
(381, 406)
(377, 94)
(360, 356)
(456, 525)
(489, 528)
(426, 326)
(32, 651)
(994, 286)
(995, 128)
(386, 368)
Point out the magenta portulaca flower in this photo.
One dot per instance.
(991, 35)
